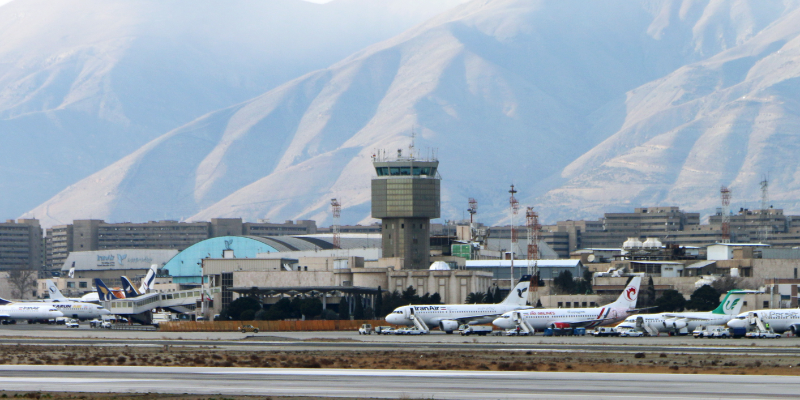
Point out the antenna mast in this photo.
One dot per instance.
(336, 209)
(766, 227)
(514, 209)
(472, 210)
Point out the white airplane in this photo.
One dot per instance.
(779, 321)
(71, 309)
(147, 283)
(682, 323)
(542, 318)
(449, 316)
(57, 296)
(11, 312)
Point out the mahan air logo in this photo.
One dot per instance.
(729, 305)
(630, 293)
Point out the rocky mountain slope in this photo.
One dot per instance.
(585, 106)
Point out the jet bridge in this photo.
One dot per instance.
(140, 307)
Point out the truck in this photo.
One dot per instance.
(160, 317)
(482, 330)
(366, 329)
(605, 331)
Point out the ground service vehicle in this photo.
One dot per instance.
(384, 330)
(720, 332)
(763, 335)
(366, 329)
(698, 332)
(605, 331)
(482, 330)
(631, 333)
(73, 323)
(248, 328)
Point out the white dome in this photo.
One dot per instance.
(439, 266)
(652, 244)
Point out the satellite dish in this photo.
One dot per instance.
(590, 258)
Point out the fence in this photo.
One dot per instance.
(266, 326)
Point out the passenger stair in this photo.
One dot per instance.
(523, 325)
(418, 322)
(643, 326)
(754, 319)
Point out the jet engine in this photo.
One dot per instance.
(448, 325)
(675, 323)
(795, 329)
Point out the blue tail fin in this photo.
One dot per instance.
(128, 288)
(103, 292)
(4, 302)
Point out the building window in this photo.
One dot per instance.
(83, 285)
(71, 285)
(560, 304)
(766, 303)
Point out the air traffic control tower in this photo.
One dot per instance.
(405, 196)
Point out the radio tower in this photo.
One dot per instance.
(533, 254)
(472, 210)
(766, 228)
(514, 209)
(726, 216)
(336, 209)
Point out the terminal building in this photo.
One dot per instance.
(21, 245)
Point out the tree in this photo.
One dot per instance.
(671, 300)
(498, 295)
(329, 314)
(344, 308)
(392, 300)
(247, 315)
(358, 310)
(23, 281)
(435, 298)
(705, 298)
(539, 303)
(410, 295)
(726, 284)
(488, 298)
(425, 299)
(564, 282)
(649, 298)
(474, 298)
(379, 303)
(237, 307)
(311, 307)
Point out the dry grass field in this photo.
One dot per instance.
(399, 359)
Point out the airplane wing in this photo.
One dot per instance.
(636, 310)
(691, 318)
(466, 319)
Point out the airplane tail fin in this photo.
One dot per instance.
(731, 304)
(128, 288)
(4, 302)
(103, 292)
(149, 281)
(519, 295)
(55, 294)
(629, 295)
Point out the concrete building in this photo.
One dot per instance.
(109, 265)
(405, 196)
(86, 235)
(548, 269)
(21, 245)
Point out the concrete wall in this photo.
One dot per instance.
(452, 286)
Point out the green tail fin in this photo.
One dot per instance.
(729, 304)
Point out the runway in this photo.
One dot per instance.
(408, 384)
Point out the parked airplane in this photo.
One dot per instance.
(543, 318)
(778, 320)
(106, 294)
(70, 309)
(147, 283)
(56, 295)
(682, 323)
(449, 316)
(10, 312)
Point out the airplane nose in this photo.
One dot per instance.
(736, 323)
(391, 319)
(504, 323)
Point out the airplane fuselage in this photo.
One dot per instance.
(24, 311)
(543, 318)
(663, 323)
(432, 315)
(79, 310)
(779, 320)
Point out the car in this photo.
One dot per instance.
(386, 330)
(630, 333)
(73, 323)
(763, 335)
(381, 329)
(95, 323)
(366, 329)
(248, 328)
(106, 325)
(720, 332)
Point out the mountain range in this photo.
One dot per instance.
(587, 107)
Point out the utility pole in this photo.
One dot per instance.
(514, 208)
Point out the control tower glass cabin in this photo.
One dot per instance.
(405, 196)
